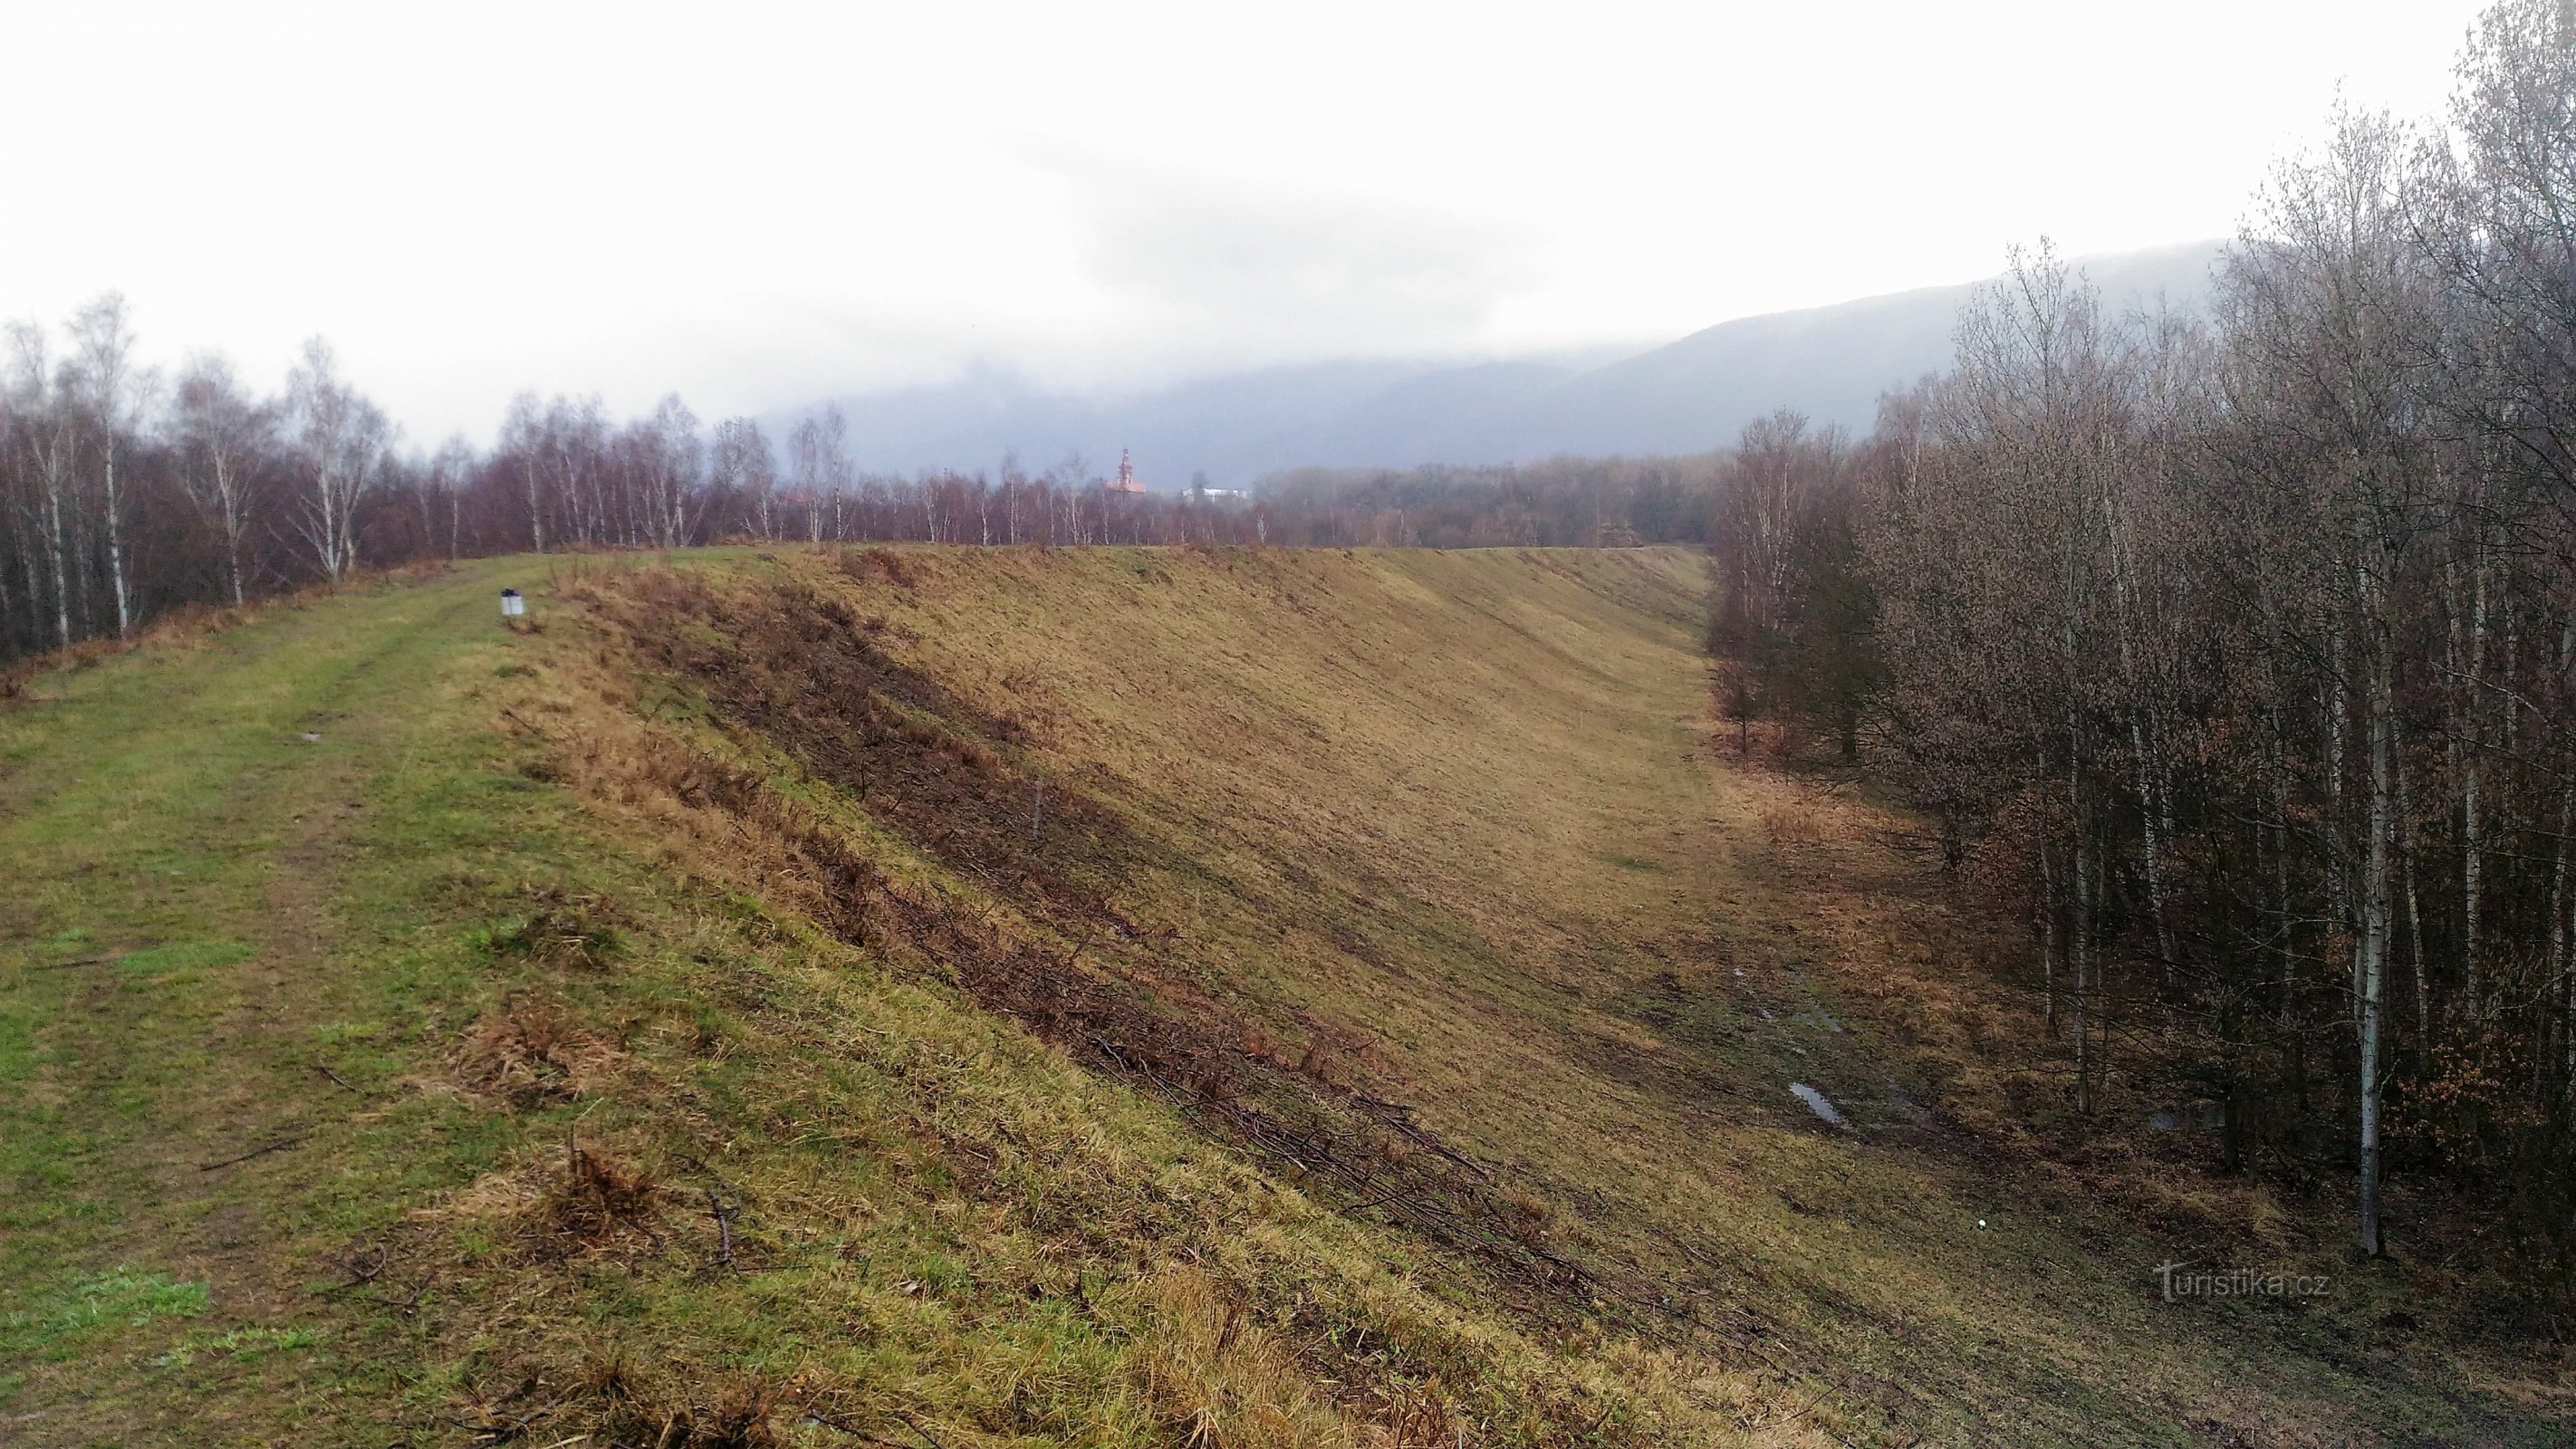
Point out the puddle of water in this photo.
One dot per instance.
(1816, 1103)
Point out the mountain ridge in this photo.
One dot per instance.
(1690, 395)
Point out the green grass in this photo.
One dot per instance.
(1448, 823)
(53, 1326)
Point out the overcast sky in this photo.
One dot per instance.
(760, 204)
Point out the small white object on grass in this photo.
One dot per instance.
(1981, 1225)
(1817, 1104)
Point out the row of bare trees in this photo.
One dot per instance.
(2240, 651)
(1794, 613)
(125, 494)
(122, 497)
(1555, 503)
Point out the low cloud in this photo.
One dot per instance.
(1276, 274)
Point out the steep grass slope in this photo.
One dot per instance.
(1112, 997)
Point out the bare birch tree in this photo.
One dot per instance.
(111, 392)
(338, 438)
(223, 437)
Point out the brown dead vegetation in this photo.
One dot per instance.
(804, 671)
(531, 1051)
(740, 1411)
(596, 1202)
(584, 931)
(625, 1405)
(869, 565)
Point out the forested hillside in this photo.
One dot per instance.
(2238, 659)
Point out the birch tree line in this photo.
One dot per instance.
(126, 493)
(123, 495)
(2238, 654)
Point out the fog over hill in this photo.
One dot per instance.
(1688, 396)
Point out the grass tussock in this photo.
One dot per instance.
(597, 1203)
(576, 930)
(741, 1414)
(530, 1051)
(624, 1406)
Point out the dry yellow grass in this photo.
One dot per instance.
(1456, 830)
(1315, 833)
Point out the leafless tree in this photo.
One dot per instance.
(223, 437)
(49, 434)
(743, 466)
(668, 453)
(111, 393)
(819, 452)
(338, 438)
